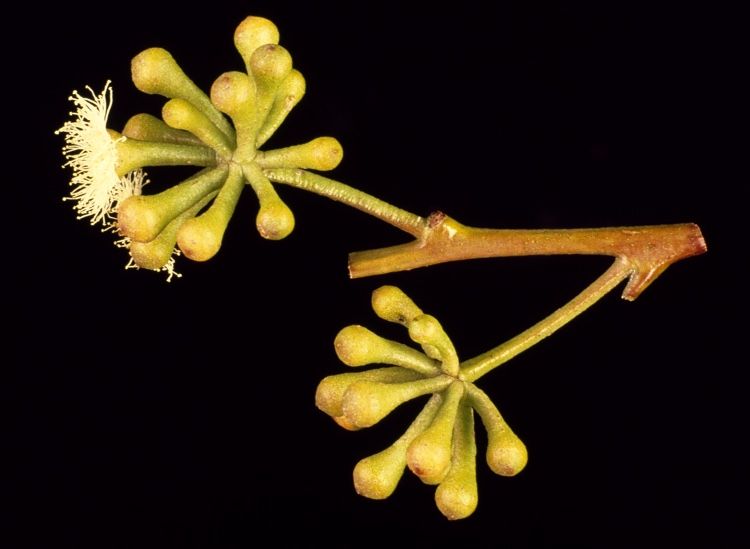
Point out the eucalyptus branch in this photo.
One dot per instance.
(224, 132)
(646, 250)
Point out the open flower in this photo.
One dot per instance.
(91, 152)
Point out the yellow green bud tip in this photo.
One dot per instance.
(233, 93)
(426, 329)
(147, 255)
(429, 458)
(377, 476)
(506, 455)
(179, 114)
(393, 305)
(366, 403)
(152, 69)
(199, 238)
(252, 33)
(138, 219)
(429, 454)
(145, 127)
(457, 500)
(329, 395)
(270, 62)
(358, 346)
(275, 220)
(344, 422)
(325, 153)
(457, 496)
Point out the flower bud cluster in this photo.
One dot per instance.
(222, 132)
(439, 447)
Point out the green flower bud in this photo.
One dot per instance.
(367, 402)
(146, 127)
(158, 254)
(377, 476)
(290, 92)
(457, 496)
(329, 396)
(252, 33)
(275, 220)
(183, 115)
(506, 453)
(358, 346)
(200, 238)
(393, 305)
(269, 65)
(344, 422)
(234, 94)
(142, 217)
(152, 255)
(427, 331)
(429, 454)
(154, 71)
(323, 153)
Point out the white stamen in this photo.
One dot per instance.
(92, 154)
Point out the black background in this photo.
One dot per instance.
(181, 415)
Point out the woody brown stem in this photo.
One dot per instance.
(647, 250)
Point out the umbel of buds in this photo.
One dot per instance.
(439, 446)
(222, 132)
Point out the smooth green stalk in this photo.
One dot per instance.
(377, 476)
(335, 190)
(473, 369)
(142, 217)
(133, 154)
(183, 115)
(155, 71)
